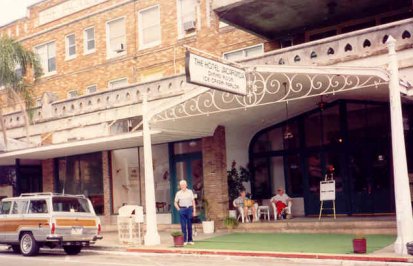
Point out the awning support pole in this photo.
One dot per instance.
(404, 216)
(152, 236)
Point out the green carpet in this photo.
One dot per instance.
(283, 242)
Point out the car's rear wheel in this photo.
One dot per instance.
(28, 245)
(16, 249)
(72, 250)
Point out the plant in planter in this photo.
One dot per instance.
(208, 226)
(178, 238)
(359, 244)
(230, 223)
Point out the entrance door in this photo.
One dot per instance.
(29, 179)
(317, 164)
(187, 167)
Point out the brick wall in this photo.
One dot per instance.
(215, 174)
(48, 175)
(84, 70)
(107, 186)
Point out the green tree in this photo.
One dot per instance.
(19, 69)
(236, 180)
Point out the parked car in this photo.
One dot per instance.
(37, 220)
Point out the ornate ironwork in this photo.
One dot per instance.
(269, 88)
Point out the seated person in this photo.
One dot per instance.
(281, 201)
(241, 202)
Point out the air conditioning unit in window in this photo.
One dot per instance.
(120, 49)
(190, 25)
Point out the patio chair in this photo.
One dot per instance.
(241, 214)
(286, 210)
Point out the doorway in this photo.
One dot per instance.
(186, 164)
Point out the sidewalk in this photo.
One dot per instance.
(110, 242)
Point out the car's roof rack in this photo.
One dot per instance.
(50, 194)
(37, 194)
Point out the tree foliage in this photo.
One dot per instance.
(15, 77)
(236, 180)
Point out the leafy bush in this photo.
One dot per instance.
(230, 222)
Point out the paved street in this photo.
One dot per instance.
(57, 258)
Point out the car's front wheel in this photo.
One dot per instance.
(72, 250)
(28, 245)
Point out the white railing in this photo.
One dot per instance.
(110, 98)
(340, 48)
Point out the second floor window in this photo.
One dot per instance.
(149, 27)
(47, 56)
(91, 89)
(70, 46)
(89, 40)
(118, 83)
(186, 17)
(116, 38)
(245, 53)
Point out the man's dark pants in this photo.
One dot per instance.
(185, 215)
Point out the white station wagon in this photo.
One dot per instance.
(49, 220)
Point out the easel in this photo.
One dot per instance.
(327, 193)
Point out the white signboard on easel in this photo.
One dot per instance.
(327, 190)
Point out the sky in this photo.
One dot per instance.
(13, 9)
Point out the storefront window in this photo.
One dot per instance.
(82, 174)
(294, 181)
(7, 181)
(187, 147)
(313, 129)
(261, 183)
(331, 126)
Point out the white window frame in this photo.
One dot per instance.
(46, 72)
(70, 96)
(67, 47)
(140, 28)
(90, 86)
(181, 33)
(85, 41)
(243, 49)
(110, 53)
(115, 80)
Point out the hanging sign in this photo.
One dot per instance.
(210, 73)
(327, 190)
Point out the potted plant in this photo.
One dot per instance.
(236, 179)
(208, 226)
(359, 244)
(178, 238)
(230, 223)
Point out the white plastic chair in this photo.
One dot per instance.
(287, 209)
(241, 213)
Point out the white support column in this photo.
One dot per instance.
(401, 180)
(151, 237)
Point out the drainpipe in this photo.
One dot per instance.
(151, 236)
(404, 215)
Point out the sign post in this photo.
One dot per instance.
(327, 193)
(213, 74)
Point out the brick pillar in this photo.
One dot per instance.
(107, 191)
(48, 175)
(215, 174)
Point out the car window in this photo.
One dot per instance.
(19, 207)
(38, 206)
(5, 207)
(66, 204)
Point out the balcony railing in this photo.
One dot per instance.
(341, 48)
(111, 98)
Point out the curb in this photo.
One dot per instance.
(272, 255)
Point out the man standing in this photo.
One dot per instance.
(185, 205)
